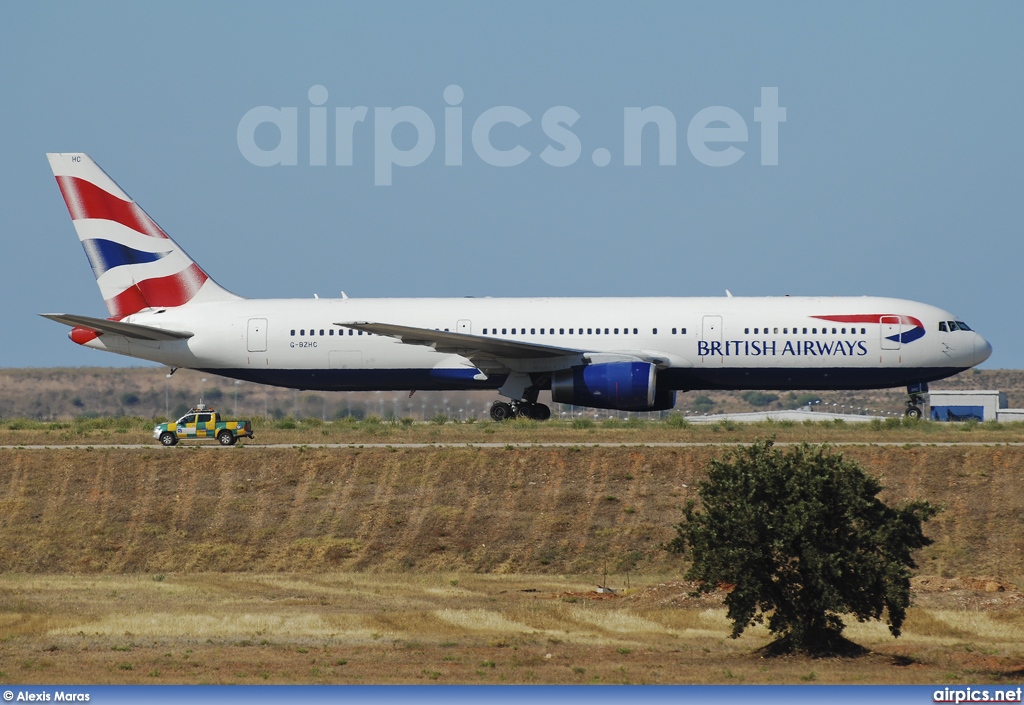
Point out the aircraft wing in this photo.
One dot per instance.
(487, 352)
(128, 330)
(470, 346)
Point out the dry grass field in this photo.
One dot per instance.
(454, 565)
(456, 628)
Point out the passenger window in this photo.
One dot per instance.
(683, 331)
(293, 331)
(589, 331)
(504, 331)
(673, 331)
(844, 331)
(533, 331)
(561, 331)
(321, 331)
(776, 331)
(654, 331)
(785, 330)
(597, 331)
(302, 332)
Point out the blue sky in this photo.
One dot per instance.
(899, 163)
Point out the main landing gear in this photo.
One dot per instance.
(502, 410)
(917, 398)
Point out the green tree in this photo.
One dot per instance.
(759, 398)
(703, 403)
(803, 538)
(795, 401)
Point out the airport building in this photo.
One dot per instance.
(971, 404)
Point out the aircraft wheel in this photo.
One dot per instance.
(912, 412)
(168, 438)
(540, 412)
(500, 411)
(226, 438)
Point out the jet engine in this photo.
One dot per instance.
(629, 386)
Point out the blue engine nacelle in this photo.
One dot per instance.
(629, 386)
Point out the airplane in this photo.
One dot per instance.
(630, 354)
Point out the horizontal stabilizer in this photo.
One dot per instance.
(128, 330)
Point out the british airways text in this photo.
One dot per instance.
(755, 348)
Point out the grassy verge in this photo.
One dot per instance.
(134, 430)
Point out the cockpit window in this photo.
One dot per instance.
(952, 326)
(942, 327)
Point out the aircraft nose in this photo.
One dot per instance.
(982, 350)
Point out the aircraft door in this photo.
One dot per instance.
(465, 326)
(890, 332)
(711, 335)
(257, 338)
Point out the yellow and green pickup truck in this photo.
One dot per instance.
(202, 422)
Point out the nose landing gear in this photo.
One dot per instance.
(917, 398)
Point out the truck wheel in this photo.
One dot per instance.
(168, 438)
(226, 438)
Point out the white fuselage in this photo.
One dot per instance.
(704, 343)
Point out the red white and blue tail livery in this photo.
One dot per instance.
(612, 353)
(136, 265)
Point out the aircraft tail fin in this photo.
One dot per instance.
(137, 266)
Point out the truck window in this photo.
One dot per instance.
(191, 418)
(205, 418)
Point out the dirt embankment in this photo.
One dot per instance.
(546, 510)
